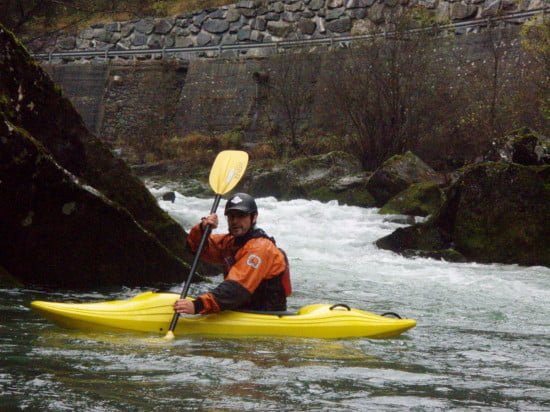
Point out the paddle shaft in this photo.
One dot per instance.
(204, 238)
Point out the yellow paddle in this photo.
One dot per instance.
(227, 170)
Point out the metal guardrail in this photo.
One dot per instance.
(283, 44)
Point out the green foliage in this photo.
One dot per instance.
(231, 140)
(160, 7)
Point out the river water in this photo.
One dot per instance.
(482, 341)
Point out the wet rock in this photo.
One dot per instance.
(333, 176)
(397, 174)
(495, 212)
(419, 199)
(169, 196)
(71, 213)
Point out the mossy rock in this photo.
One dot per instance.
(523, 146)
(277, 182)
(312, 167)
(397, 174)
(359, 198)
(75, 215)
(494, 213)
(317, 177)
(422, 237)
(498, 212)
(420, 199)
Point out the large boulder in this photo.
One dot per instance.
(419, 199)
(332, 176)
(397, 174)
(494, 212)
(71, 213)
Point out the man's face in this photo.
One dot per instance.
(240, 222)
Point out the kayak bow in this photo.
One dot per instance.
(151, 312)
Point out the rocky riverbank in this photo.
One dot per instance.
(73, 215)
(494, 211)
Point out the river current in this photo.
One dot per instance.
(482, 341)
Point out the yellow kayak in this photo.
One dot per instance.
(152, 312)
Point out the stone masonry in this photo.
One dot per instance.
(261, 21)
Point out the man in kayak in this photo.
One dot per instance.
(256, 274)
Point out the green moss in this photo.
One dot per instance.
(358, 197)
(323, 194)
(502, 214)
(19, 48)
(305, 163)
(421, 199)
(5, 107)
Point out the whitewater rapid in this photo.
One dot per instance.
(482, 340)
(331, 249)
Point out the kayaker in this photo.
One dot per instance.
(256, 275)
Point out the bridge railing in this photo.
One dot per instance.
(282, 45)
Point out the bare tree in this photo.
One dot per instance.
(291, 87)
(385, 88)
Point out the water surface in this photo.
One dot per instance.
(482, 340)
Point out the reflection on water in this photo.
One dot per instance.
(482, 341)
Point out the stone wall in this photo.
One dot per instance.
(148, 100)
(218, 95)
(141, 102)
(85, 85)
(258, 21)
(123, 99)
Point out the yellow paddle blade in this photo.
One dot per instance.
(227, 170)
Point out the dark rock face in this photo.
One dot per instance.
(71, 214)
(495, 212)
(332, 176)
(499, 213)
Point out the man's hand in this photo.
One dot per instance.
(211, 220)
(184, 306)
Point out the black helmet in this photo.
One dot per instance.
(243, 202)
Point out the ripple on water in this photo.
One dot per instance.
(482, 340)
